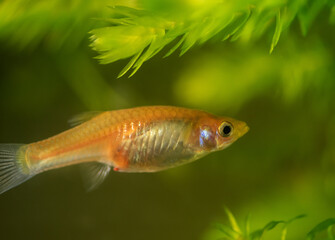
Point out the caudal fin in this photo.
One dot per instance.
(13, 170)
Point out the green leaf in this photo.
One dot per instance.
(296, 218)
(309, 13)
(227, 230)
(271, 225)
(332, 15)
(259, 233)
(247, 225)
(120, 42)
(324, 225)
(276, 35)
(232, 221)
(284, 233)
(130, 64)
(330, 232)
(236, 23)
(174, 48)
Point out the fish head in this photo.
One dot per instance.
(228, 130)
(217, 133)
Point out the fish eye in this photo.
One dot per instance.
(226, 129)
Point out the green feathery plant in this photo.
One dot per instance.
(27, 24)
(140, 29)
(142, 33)
(235, 232)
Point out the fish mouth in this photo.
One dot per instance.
(244, 128)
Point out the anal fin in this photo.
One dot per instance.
(94, 174)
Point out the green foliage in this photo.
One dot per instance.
(332, 16)
(258, 234)
(233, 231)
(141, 29)
(54, 23)
(142, 33)
(323, 226)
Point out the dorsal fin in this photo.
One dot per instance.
(94, 174)
(82, 117)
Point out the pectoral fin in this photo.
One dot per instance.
(94, 174)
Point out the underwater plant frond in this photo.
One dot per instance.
(140, 29)
(53, 24)
(233, 231)
(142, 33)
(322, 226)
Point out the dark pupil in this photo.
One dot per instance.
(226, 130)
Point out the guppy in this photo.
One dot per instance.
(142, 139)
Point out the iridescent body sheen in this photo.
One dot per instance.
(143, 139)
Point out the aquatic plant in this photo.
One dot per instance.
(233, 231)
(141, 29)
(141, 33)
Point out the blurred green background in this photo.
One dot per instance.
(283, 167)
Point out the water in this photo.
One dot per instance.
(283, 167)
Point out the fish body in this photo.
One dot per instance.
(142, 139)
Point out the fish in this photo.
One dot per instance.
(140, 139)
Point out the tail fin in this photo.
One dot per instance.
(13, 170)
